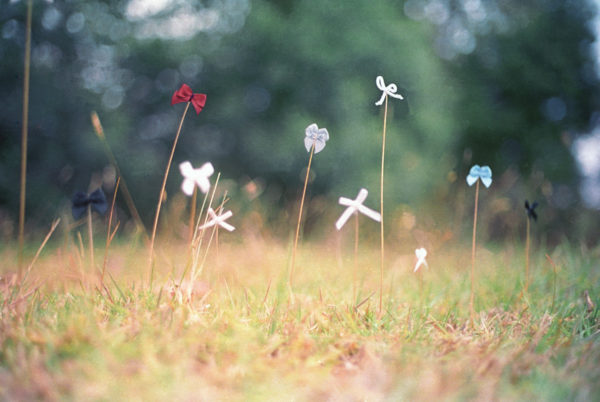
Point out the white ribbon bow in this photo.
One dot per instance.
(387, 90)
(317, 136)
(355, 206)
(218, 220)
(421, 253)
(193, 177)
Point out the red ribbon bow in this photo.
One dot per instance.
(185, 94)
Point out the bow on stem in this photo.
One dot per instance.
(387, 90)
(355, 206)
(185, 94)
(483, 173)
(218, 220)
(195, 177)
(531, 214)
(480, 172)
(421, 253)
(80, 201)
(317, 136)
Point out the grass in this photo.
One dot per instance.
(241, 338)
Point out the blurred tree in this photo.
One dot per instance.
(495, 78)
(530, 86)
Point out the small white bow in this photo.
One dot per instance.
(317, 136)
(218, 220)
(421, 253)
(193, 177)
(387, 90)
(355, 206)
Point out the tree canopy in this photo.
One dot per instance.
(504, 83)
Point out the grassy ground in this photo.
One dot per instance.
(242, 337)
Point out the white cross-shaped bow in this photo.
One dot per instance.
(218, 220)
(387, 90)
(421, 253)
(193, 177)
(355, 206)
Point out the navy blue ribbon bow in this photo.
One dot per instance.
(81, 200)
(531, 210)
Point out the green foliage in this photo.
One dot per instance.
(530, 86)
(272, 68)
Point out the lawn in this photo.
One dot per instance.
(244, 336)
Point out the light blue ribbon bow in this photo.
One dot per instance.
(317, 136)
(480, 172)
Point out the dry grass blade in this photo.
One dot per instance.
(197, 269)
(90, 236)
(554, 281)
(589, 304)
(113, 160)
(267, 291)
(109, 235)
(363, 301)
(39, 251)
(193, 214)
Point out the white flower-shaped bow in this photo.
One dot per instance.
(480, 172)
(355, 206)
(387, 90)
(421, 253)
(218, 220)
(317, 136)
(193, 177)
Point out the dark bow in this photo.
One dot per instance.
(96, 201)
(531, 210)
(185, 94)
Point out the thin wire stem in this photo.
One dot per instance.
(420, 274)
(24, 132)
(527, 245)
(162, 193)
(471, 300)
(90, 235)
(355, 256)
(312, 150)
(381, 211)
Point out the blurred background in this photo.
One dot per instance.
(505, 83)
